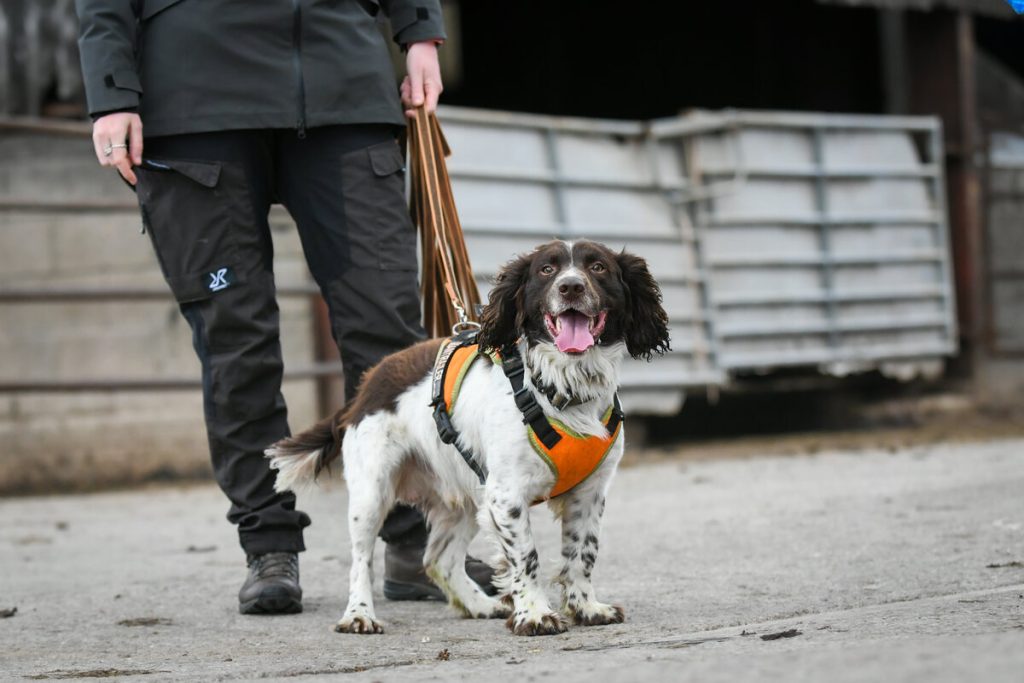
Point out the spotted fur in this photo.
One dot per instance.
(392, 453)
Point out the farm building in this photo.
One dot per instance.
(824, 189)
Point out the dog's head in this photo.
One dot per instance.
(576, 295)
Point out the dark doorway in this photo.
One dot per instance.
(644, 60)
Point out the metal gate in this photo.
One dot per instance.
(828, 246)
(779, 239)
(520, 180)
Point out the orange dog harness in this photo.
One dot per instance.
(572, 457)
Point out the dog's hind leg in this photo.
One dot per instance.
(451, 531)
(371, 462)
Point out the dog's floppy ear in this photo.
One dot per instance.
(503, 316)
(646, 320)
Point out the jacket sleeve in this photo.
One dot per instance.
(106, 42)
(414, 20)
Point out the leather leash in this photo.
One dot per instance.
(448, 288)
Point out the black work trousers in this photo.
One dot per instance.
(205, 199)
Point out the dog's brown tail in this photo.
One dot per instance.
(300, 459)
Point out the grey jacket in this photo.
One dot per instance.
(191, 66)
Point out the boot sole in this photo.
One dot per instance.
(271, 604)
(396, 590)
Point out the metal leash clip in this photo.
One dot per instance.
(464, 322)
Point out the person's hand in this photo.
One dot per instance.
(117, 139)
(423, 84)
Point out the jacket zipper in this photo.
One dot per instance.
(297, 61)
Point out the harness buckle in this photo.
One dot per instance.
(445, 428)
(513, 366)
(559, 405)
(523, 398)
(531, 411)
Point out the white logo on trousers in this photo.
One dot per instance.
(219, 280)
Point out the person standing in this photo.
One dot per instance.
(247, 104)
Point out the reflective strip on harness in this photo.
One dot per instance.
(460, 362)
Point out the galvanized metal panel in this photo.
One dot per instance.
(779, 239)
(527, 179)
(823, 206)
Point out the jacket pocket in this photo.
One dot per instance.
(194, 213)
(376, 216)
(151, 7)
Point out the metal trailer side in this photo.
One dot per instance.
(779, 239)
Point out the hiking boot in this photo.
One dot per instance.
(405, 578)
(272, 586)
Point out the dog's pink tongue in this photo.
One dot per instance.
(575, 335)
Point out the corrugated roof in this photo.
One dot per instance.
(993, 8)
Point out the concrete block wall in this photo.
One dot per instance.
(55, 441)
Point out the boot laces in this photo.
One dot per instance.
(275, 564)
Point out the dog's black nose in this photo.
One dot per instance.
(570, 287)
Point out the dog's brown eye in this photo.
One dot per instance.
(547, 270)
(598, 267)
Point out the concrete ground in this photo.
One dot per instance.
(905, 565)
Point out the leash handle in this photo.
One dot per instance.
(449, 290)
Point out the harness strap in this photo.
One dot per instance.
(617, 415)
(513, 366)
(533, 414)
(442, 419)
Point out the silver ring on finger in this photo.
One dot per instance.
(109, 149)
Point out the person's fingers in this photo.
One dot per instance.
(416, 86)
(405, 90)
(406, 93)
(97, 146)
(118, 154)
(112, 133)
(124, 167)
(432, 89)
(135, 140)
(104, 139)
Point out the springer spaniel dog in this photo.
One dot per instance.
(568, 313)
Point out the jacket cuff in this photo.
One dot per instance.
(418, 23)
(100, 114)
(118, 90)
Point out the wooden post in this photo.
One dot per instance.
(941, 63)
(893, 45)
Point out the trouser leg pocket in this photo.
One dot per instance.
(198, 215)
(379, 228)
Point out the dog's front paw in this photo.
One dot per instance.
(596, 614)
(358, 624)
(545, 624)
